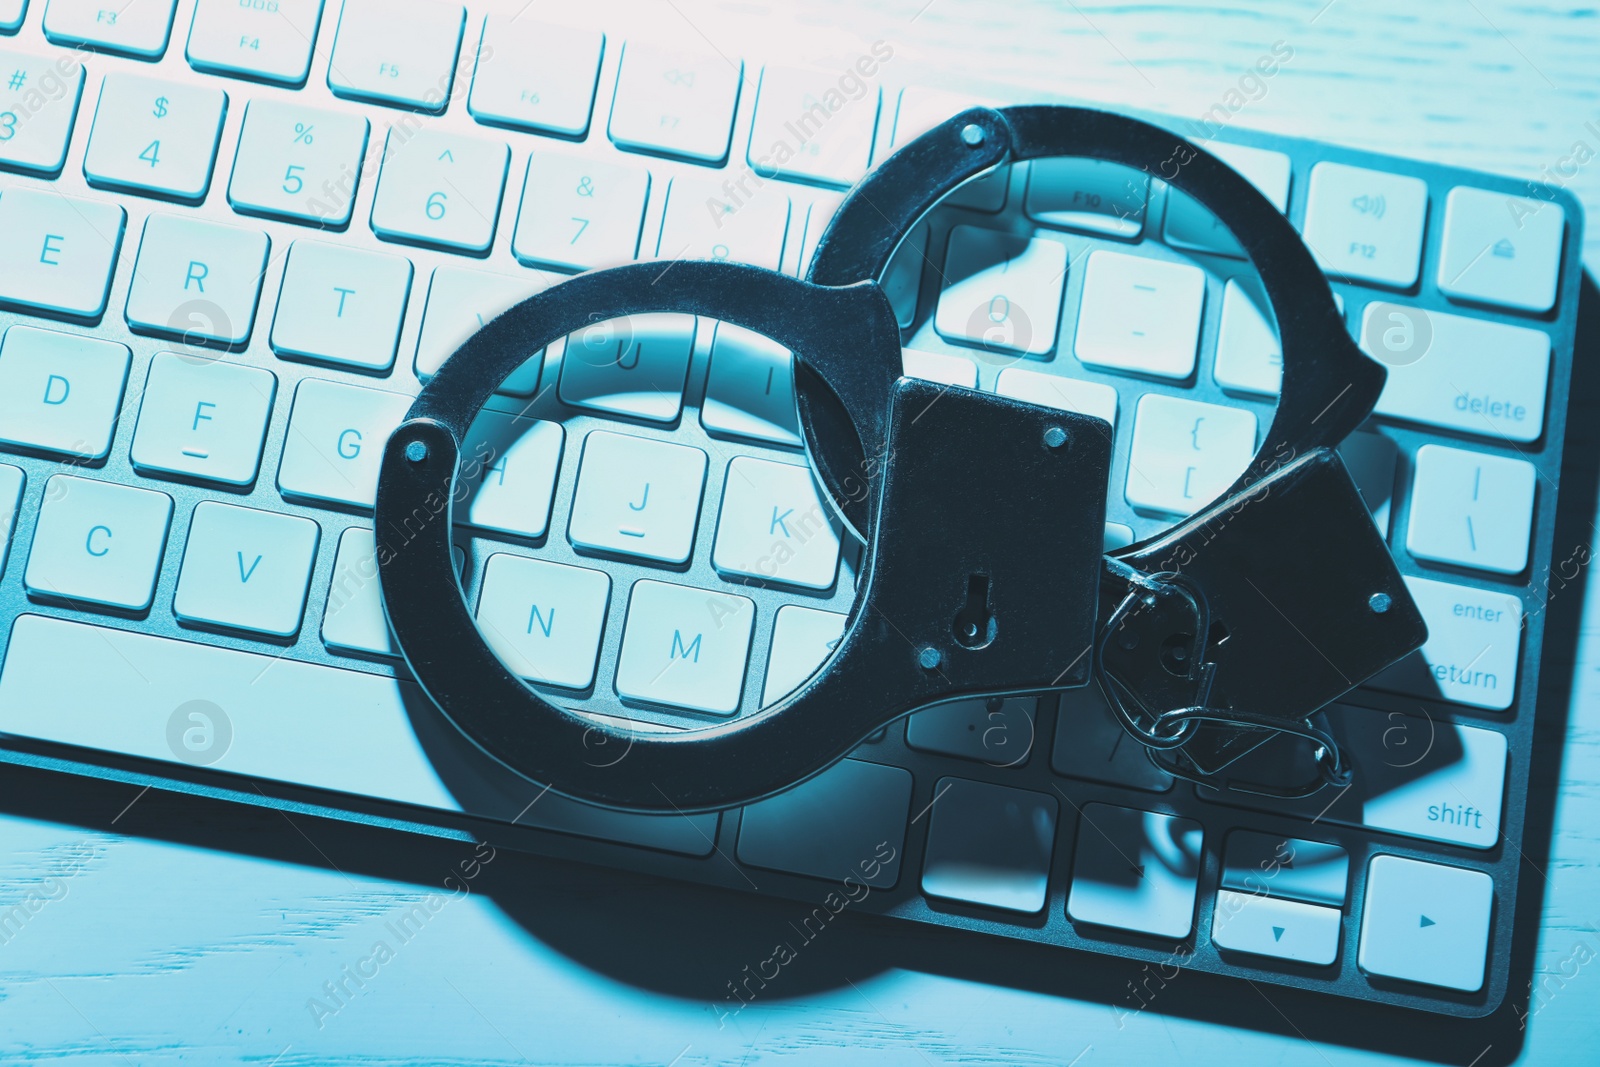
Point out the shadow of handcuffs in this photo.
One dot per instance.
(982, 517)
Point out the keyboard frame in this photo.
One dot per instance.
(720, 868)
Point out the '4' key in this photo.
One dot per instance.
(154, 136)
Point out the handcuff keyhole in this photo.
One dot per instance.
(1175, 654)
(974, 624)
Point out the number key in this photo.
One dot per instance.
(297, 163)
(578, 214)
(440, 189)
(154, 136)
(38, 103)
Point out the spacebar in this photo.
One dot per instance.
(284, 720)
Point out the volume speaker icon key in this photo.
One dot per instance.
(1369, 205)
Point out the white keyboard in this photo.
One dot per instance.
(236, 239)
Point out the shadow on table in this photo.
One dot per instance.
(695, 943)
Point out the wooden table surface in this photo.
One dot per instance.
(166, 929)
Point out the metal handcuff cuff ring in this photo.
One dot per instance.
(982, 517)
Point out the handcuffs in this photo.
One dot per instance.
(982, 517)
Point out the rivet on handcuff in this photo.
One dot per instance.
(982, 517)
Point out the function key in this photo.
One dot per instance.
(1366, 225)
(1500, 249)
(399, 52)
(807, 129)
(266, 40)
(1139, 314)
(675, 103)
(1188, 225)
(1135, 870)
(35, 126)
(137, 29)
(1471, 653)
(298, 163)
(154, 136)
(1471, 509)
(847, 825)
(11, 13)
(685, 647)
(1088, 195)
(1003, 291)
(989, 845)
(536, 76)
(920, 109)
(1426, 922)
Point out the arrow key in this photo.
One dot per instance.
(1426, 922)
(1267, 926)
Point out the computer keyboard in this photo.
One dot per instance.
(236, 236)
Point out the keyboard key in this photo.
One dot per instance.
(773, 526)
(154, 136)
(1471, 653)
(1478, 377)
(334, 446)
(1186, 453)
(544, 620)
(1135, 870)
(397, 52)
(76, 684)
(1188, 225)
(996, 731)
(634, 366)
(1471, 509)
(1059, 391)
(441, 190)
(989, 845)
(847, 825)
(675, 103)
(11, 482)
(341, 305)
(834, 140)
(637, 497)
(354, 620)
(1249, 355)
(685, 647)
(1140, 315)
(1267, 926)
(203, 418)
(802, 640)
(1414, 775)
(135, 29)
(460, 303)
(1116, 536)
(940, 368)
(57, 252)
(1270, 865)
(298, 163)
(11, 12)
(579, 214)
(60, 392)
(702, 222)
(536, 76)
(511, 465)
(1088, 195)
(1091, 744)
(197, 280)
(97, 543)
(1004, 292)
(35, 123)
(1372, 460)
(1366, 225)
(750, 388)
(245, 569)
(265, 42)
(1499, 249)
(1426, 922)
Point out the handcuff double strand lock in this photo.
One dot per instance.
(982, 517)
